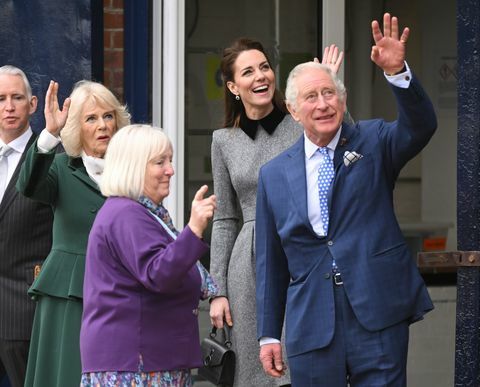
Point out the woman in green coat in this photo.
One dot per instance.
(69, 183)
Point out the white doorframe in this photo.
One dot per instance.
(168, 92)
(168, 89)
(333, 26)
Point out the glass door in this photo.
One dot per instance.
(289, 31)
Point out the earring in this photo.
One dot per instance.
(237, 97)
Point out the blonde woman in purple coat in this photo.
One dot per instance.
(143, 280)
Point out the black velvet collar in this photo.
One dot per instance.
(269, 123)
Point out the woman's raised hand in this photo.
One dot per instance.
(332, 58)
(55, 118)
(202, 211)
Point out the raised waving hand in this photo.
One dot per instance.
(55, 118)
(388, 53)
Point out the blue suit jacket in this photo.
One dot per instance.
(380, 277)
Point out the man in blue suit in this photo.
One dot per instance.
(331, 258)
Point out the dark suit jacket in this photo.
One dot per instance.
(25, 241)
(380, 277)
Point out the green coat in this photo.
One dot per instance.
(62, 182)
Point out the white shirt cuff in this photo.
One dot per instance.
(47, 141)
(400, 80)
(268, 340)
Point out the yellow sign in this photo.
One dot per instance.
(214, 78)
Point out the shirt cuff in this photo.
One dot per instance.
(268, 340)
(47, 141)
(401, 80)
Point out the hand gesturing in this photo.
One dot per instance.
(54, 117)
(202, 211)
(332, 58)
(388, 53)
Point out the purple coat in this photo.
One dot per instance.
(140, 294)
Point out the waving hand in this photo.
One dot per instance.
(388, 53)
(55, 118)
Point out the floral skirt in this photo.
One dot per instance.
(180, 378)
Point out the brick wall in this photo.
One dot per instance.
(113, 46)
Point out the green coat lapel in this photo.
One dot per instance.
(80, 172)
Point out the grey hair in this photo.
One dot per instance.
(291, 92)
(12, 70)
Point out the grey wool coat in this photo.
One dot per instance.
(236, 161)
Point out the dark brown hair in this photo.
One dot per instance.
(234, 108)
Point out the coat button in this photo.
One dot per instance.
(330, 243)
(326, 276)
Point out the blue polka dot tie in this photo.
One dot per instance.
(326, 172)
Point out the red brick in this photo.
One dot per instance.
(113, 59)
(113, 20)
(107, 78)
(118, 77)
(117, 4)
(107, 39)
(113, 45)
(117, 39)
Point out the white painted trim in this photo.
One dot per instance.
(277, 41)
(333, 26)
(173, 104)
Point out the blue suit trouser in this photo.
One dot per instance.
(355, 355)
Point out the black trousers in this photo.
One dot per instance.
(13, 356)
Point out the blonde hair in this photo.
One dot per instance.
(83, 92)
(126, 159)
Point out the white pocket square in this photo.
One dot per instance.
(351, 157)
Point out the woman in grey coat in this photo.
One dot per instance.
(257, 128)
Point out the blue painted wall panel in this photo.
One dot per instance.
(48, 39)
(137, 59)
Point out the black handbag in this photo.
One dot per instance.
(218, 359)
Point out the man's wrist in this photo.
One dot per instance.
(268, 340)
(403, 69)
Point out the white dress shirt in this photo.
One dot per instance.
(18, 146)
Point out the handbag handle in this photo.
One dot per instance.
(226, 330)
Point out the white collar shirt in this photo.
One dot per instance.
(18, 145)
